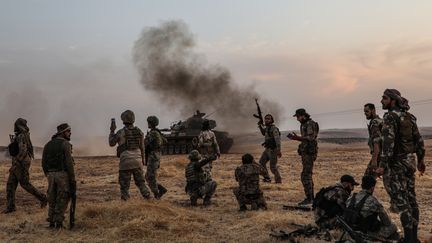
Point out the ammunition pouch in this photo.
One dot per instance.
(309, 148)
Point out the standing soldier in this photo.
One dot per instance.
(401, 140)
(208, 146)
(19, 172)
(197, 184)
(58, 166)
(153, 142)
(130, 150)
(249, 191)
(374, 142)
(272, 145)
(308, 150)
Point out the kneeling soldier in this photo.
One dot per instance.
(197, 185)
(249, 191)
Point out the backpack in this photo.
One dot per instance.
(352, 214)
(320, 200)
(13, 148)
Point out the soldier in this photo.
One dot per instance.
(197, 185)
(365, 213)
(130, 150)
(58, 166)
(331, 201)
(374, 142)
(308, 150)
(19, 171)
(401, 140)
(153, 142)
(272, 147)
(249, 191)
(208, 145)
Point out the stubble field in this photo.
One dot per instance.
(103, 217)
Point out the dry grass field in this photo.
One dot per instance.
(103, 217)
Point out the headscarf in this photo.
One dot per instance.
(20, 127)
(401, 102)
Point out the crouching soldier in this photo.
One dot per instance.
(249, 191)
(331, 201)
(58, 166)
(197, 184)
(365, 213)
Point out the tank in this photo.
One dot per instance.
(182, 136)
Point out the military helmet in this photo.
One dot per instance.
(128, 117)
(153, 120)
(194, 155)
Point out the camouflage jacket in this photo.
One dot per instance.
(195, 176)
(400, 137)
(309, 130)
(207, 142)
(337, 194)
(272, 137)
(374, 129)
(154, 140)
(129, 159)
(247, 176)
(24, 154)
(372, 208)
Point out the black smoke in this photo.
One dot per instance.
(169, 66)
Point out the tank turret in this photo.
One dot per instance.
(182, 136)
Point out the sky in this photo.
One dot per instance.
(71, 61)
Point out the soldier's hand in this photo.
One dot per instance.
(279, 154)
(379, 171)
(421, 167)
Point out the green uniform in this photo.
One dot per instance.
(272, 146)
(197, 183)
(248, 191)
(308, 151)
(153, 143)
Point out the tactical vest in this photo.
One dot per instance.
(308, 147)
(54, 158)
(133, 137)
(193, 175)
(270, 141)
(404, 137)
(154, 140)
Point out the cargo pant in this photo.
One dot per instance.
(205, 152)
(402, 190)
(256, 200)
(270, 155)
(124, 181)
(58, 196)
(386, 181)
(386, 232)
(19, 174)
(306, 174)
(205, 191)
(153, 163)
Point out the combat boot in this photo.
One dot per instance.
(266, 180)
(194, 201)
(207, 201)
(58, 225)
(306, 201)
(9, 210)
(243, 208)
(254, 206)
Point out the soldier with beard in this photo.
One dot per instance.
(58, 166)
(308, 150)
(19, 171)
(272, 147)
(401, 142)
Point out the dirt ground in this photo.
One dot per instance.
(102, 216)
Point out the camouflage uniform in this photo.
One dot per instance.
(308, 151)
(375, 137)
(153, 142)
(335, 197)
(130, 150)
(58, 166)
(197, 184)
(272, 145)
(249, 191)
(19, 171)
(378, 222)
(401, 139)
(208, 145)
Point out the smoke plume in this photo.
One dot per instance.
(165, 58)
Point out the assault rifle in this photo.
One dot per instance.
(72, 210)
(259, 115)
(357, 236)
